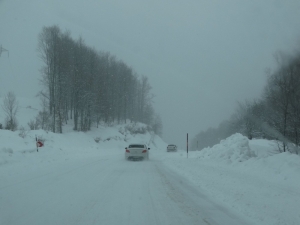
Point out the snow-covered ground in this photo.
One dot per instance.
(82, 178)
(249, 177)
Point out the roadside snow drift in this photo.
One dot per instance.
(248, 176)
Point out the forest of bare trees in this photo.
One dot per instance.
(88, 86)
(275, 116)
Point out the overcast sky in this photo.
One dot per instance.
(201, 56)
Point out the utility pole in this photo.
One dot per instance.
(3, 50)
(187, 145)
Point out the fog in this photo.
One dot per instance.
(201, 57)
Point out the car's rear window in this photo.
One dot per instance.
(136, 146)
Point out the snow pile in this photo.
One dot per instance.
(232, 150)
(250, 177)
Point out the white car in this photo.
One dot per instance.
(137, 151)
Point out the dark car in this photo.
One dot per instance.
(171, 148)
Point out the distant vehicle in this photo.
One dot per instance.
(171, 148)
(137, 152)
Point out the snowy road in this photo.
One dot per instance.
(104, 190)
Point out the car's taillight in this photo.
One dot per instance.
(144, 151)
(127, 150)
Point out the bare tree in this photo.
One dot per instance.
(278, 95)
(43, 119)
(157, 125)
(10, 107)
(88, 86)
(248, 118)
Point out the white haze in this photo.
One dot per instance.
(200, 56)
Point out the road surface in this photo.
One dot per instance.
(105, 190)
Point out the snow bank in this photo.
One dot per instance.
(249, 176)
(15, 146)
(234, 149)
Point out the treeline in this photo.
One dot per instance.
(89, 86)
(275, 116)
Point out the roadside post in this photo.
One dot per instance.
(36, 142)
(187, 145)
(39, 143)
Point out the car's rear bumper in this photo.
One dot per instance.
(136, 156)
